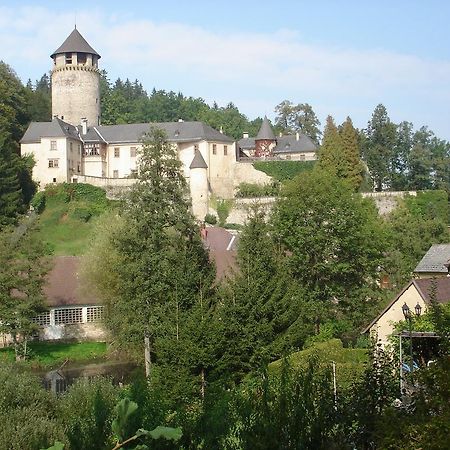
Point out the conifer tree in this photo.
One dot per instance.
(352, 167)
(331, 150)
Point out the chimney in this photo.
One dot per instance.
(297, 136)
(84, 124)
(221, 129)
(180, 120)
(245, 135)
(281, 134)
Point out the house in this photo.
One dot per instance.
(265, 145)
(435, 263)
(416, 292)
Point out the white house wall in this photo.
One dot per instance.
(384, 327)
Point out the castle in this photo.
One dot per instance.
(75, 147)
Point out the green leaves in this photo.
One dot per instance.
(56, 446)
(124, 410)
(171, 434)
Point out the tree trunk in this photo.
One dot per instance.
(147, 357)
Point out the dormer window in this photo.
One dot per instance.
(177, 133)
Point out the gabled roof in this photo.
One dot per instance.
(55, 128)
(198, 162)
(436, 259)
(63, 287)
(75, 43)
(424, 288)
(175, 131)
(284, 144)
(290, 144)
(265, 132)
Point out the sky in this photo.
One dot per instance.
(343, 57)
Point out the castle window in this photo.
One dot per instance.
(133, 152)
(53, 145)
(42, 319)
(115, 174)
(53, 163)
(81, 58)
(116, 152)
(68, 58)
(214, 149)
(225, 150)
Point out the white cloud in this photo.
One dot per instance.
(257, 64)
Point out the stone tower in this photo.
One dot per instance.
(265, 140)
(76, 81)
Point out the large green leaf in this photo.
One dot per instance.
(124, 409)
(169, 433)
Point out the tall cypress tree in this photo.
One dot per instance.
(352, 168)
(331, 150)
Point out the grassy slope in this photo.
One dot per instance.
(60, 226)
(350, 362)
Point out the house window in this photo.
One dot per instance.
(225, 150)
(214, 149)
(71, 147)
(53, 163)
(78, 167)
(53, 145)
(115, 174)
(94, 313)
(42, 319)
(116, 152)
(288, 156)
(302, 157)
(68, 316)
(134, 173)
(133, 152)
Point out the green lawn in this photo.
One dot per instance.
(350, 362)
(45, 354)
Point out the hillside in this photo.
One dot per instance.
(68, 213)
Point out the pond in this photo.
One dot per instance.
(59, 380)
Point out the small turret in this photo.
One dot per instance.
(265, 139)
(198, 183)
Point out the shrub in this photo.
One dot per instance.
(82, 214)
(283, 170)
(38, 202)
(223, 210)
(211, 219)
(258, 190)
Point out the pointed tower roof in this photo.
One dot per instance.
(265, 132)
(198, 162)
(75, 43)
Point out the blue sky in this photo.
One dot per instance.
(342, 57)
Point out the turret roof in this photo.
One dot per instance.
(198, 162)
(265, 132)
(75, 43)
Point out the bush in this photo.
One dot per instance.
(211, 219)
(82, 214)
(87, 411)
(283, 170)
(38, 202)
(429, 205)
(233, 226)
(258, 190)
(27, 412)
(223, 210)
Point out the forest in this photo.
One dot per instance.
(242, 363)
